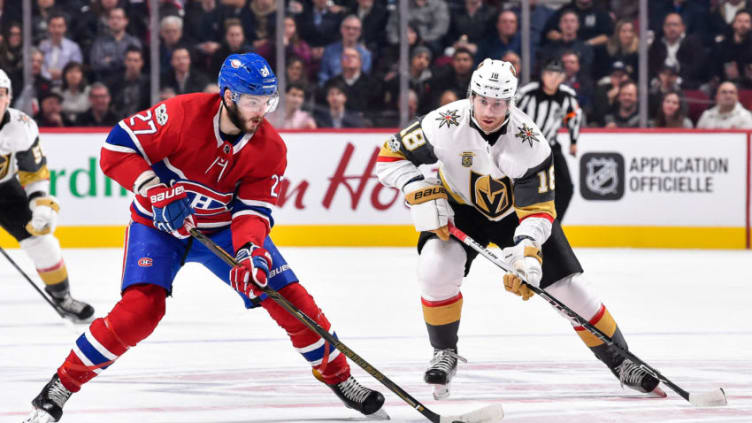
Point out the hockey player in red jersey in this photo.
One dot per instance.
(213, 163)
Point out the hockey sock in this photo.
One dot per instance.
(132, 319)
(45, 252)
(443, 321)
(326, 360)
(606, 323)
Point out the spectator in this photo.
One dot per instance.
(234, 42)
(606, 93)
(331, 60)
(263, 15)
(694, 14)
(728, 113)
(40, 19)
(50, 111)
(578, 80)
(668, 80)
(419, 80)
(75, 91)
(318, 25)
(540, 13)
(731, 50)
(107, 54)
(471, 25)
(336, 115)
(99, 114)
(363, 91)
(235, 9)
(625, 114)
(412, 104)
(92, 21)
(676, 48)
(388, 63)
(595, 25)
(514, 59)
(454, 77)
(294, 45)
(293, 117)
(57, 49)
(672, 113)
(204, 26)
(11, 53)
(27, 101)
(296, 72)
(431, 18)
(568, 40)
(621, 47)
(448, 96)
(131, 90)
(505, 38)
(183, 78)
(373, 17)
(171, 37)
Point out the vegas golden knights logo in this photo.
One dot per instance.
(491, 196)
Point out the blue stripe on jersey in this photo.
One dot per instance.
(318, 353)
(90, 352)
(118, 136)
(238, 205)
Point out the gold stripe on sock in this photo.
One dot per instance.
(442, 314)
(54, 276)
(605, 322)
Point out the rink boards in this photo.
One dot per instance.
(642, 188)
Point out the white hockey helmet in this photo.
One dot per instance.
(495, 79)
(5, 82)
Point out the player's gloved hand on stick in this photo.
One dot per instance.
(429, 206)
(252, 270)
(526, 260)
(172, 210)
(43, 215)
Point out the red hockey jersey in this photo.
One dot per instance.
(228, 184)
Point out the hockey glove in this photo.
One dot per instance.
(43, 215)
(526, 260)
(172, 210)
(252, 270)
(429, 207)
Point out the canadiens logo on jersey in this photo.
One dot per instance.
(527, 134)
(467, 158)
(448, 118)
(489, 195)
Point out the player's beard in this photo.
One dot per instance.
(237, 120)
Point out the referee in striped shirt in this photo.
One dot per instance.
(552, 104)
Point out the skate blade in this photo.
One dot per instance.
(657, 393)
(38, 416)
(379, 414)
(440, 392)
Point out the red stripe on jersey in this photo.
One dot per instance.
(541, 215)
(440, 303)
(597, 318)
(389, 159)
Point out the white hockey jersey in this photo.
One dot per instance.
(20, 153)
(510, 170)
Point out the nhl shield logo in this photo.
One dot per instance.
(467, 159)
(602, 176)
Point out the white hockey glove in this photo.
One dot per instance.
(43, 215)
(429, 207)
(526, 260)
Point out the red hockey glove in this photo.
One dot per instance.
(252, 270)
(172, 210)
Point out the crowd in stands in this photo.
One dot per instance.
(90, 58)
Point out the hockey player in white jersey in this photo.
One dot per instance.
(27, 211)
(496, 183)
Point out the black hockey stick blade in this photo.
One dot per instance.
(490, 414)
(714, 398)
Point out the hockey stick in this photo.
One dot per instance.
(704, 399)
(489, 414)
(46, 298)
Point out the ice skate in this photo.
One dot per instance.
(74, 310)
(48, 405)
(636, 377)
(441, 371)
(358, 397)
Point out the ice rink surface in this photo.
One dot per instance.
(688, 313)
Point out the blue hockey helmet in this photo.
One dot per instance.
(250, 74)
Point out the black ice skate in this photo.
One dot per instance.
(358, 397)
(441, 370)
(73, 309)
(636, 377)
(48, 405)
